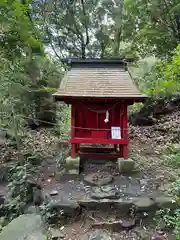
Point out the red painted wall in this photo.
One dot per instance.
(91, 116)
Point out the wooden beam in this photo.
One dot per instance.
(100, 155)
(98, 141)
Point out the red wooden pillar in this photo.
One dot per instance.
(114, 124)
(125, 132)
(73, 131)
(121, 127)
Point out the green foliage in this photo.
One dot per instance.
(175, 189)
(160, 79)
(153, 26)
(62, 128)
(83, 28)
(34, 156)
(172, 157)
(18, 188)
(169, 220)
(14, 18)
(25, 70)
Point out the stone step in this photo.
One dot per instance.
(139, 205)
(125, 206)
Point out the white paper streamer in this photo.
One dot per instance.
(107, 117)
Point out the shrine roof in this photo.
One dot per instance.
(98, 78)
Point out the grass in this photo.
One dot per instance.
(172, 157)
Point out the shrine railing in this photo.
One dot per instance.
(115, 135)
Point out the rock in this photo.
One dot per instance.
(158, 236)
(64, 208)
(32, 185)
(54, 193)
(105, 192)
(128, 223)
(102, 204)
(140, 216)
(160, 233)
(30, 209)
(56, 234)
(123, 206)
(51, 171)
(3, 222)
(142, 233)
(98, 179)
(97, 235)
(125, 165)
(25, 227)
(144, 204)
(73, 171)
(2, 198)
(165, 202)
(143, 182)
(37, 196)
(90, 204)
(164, 187)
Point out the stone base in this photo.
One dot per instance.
(72, 165)
(125, 165)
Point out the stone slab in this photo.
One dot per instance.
(98, 179)
(165, 202)
(25, 227)
(121, 205)
(97, 235)
(64, 207)
(105, 192)
(144, 204)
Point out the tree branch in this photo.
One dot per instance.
(50, 41)
(85, 22)
(173, 23)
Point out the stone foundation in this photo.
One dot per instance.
(72, 165)
(125, 165)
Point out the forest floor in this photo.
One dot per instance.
(147, 147)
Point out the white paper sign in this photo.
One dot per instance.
(116, 132)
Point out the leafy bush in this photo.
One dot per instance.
(167, 77)
(170, 221)
(172, 157)
(19, 193)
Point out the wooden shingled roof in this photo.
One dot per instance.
(98, 79)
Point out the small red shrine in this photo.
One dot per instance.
(99, 92)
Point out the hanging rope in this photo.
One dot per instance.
(106, 120)
(101, 129)
(96, 129)
(100, 111)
